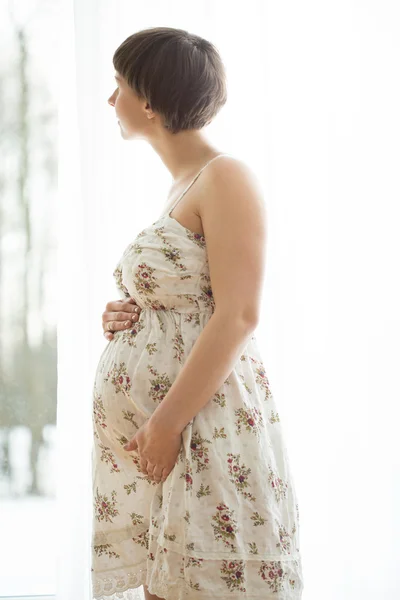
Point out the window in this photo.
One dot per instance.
(28, 340)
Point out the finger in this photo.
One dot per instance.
(130, 306)
(153, 471)
(108, 335)
(120, 315)
(157, 473)
(143, 465)
(125, 304)
(150, 472)
(114, 305)
(109, 327)
(124, 319)
(131, 310)
(115, 325)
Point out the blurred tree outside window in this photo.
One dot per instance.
(28, 340)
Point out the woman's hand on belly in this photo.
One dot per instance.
(158, 450)
(119, 315)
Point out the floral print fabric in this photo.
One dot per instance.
(225, 523)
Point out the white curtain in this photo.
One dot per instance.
(313, 96)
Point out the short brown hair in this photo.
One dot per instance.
(180, 74)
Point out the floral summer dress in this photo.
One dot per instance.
(225, 523)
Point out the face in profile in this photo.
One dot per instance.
(131, 112)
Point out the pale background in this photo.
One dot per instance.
(313, 107)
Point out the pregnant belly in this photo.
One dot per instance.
(136, 371)
(122, 387)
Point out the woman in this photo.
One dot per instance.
(192, 491)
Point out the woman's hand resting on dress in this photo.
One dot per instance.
(157, 447)
(121, 314)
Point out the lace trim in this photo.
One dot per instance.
(115, 588)
(123, 586)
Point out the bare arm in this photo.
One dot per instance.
(211, 360)
(234, 221)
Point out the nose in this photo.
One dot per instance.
(111, 100)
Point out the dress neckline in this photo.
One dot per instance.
(189, 231)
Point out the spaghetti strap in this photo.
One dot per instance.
(193, 180)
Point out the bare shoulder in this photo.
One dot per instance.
(233, 184)
(226, 167)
